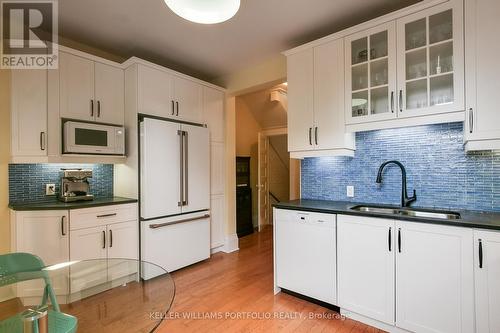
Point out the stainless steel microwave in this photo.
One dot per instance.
(95, 139)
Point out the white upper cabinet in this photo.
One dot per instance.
(188, 97)
(166, 95)
(370, 79)
(213, 113)
(109, 94)
(90, 90)
(76, 82)
(486, 277)
(300, 71)
(482, 27)
(329, 120)
(316, 124)
(431, 61)
(155, 92)
(407, 68)
(29, 113)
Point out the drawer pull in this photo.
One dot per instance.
(106, 215)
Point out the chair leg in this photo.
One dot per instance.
(52, 296)
(45, 295)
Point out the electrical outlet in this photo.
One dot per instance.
(50, 189)
(350, 191)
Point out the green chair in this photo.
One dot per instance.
(18, 267)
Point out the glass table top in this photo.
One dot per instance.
(105, 295)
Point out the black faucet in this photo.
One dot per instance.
(405, 200)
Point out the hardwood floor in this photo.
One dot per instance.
(234, 293)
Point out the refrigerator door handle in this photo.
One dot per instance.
(160, 225)
(181, 168)
(185, 191)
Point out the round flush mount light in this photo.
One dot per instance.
(203, 11)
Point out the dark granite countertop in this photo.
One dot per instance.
(470, 219)
(56, 205)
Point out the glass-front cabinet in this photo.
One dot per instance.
(418, 73)
(371, 74)
(431, 61)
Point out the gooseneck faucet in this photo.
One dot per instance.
(405, 200)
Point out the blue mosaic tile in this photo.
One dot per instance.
(437, 166)
(27, 181)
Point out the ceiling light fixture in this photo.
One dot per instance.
(203, 11)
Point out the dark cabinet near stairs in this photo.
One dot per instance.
(244, 225)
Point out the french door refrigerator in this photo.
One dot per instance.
(175, 194)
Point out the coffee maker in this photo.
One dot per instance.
(75, 185)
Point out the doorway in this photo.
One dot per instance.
(261, 132)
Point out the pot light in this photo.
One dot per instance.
(203, 11)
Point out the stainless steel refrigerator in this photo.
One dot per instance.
(175, 194)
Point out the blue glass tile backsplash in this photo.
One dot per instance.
(443, 175)
(27, 181)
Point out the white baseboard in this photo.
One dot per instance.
(230, 244)
(216, 249)
(372, 322)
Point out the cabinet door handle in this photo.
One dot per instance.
(392, 101)
(42, 141)
(316, 135)
(390, 239)
(98, 109)
(310, 136)
(399, 240)
(104, 239)
(471, 120)
(177, 107)
(401, 100)
(173, 108)
(480, 253)
(106, 215)
(110, 238)
(63, 222)
(92, 108)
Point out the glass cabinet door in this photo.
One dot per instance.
(430, 75)
(371, 74)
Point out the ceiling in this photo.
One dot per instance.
(267, 113)
(260, 30)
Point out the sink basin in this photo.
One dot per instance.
(432, 215)
(377, 210)
(408, 212)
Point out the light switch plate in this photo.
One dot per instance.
(350, 191)
(50, 189)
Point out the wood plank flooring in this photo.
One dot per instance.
(234, 293)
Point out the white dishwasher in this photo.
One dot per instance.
(305, 253)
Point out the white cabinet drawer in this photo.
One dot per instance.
(99, 216)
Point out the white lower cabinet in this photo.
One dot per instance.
(434, 278)
(112, 234)
(45, 234)
(366, 266)
(305, 254)
(487, 280)
(416, 276)
(87, 244)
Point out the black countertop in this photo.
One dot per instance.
(56, 205)
(469, 219)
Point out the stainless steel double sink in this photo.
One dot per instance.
(433, 214)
